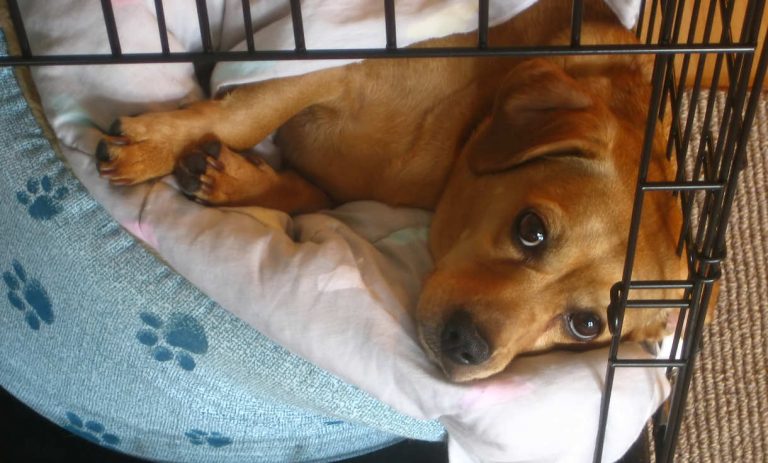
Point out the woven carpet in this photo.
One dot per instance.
(726, 419)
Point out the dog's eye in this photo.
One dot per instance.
(584, 326)
(530, 230)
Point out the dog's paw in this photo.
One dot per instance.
(137, 149)
(198, 170)
(212, 174)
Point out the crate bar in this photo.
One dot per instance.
(707, 151)
(647, 363)
(679, 20)
(657, 304)
(660, 284)
(640, 20)
(659, 71)
(734, 103)
(652, 21)
(682, 146)
(743, 141)
(482, 24)
(111, 25)
(665, 451)
(727, 13)
(670, 78)
(685, 186)
(577, 14)
(683, 320)
(161, 26)
(687, 198)
(361, 53)
(731, 129)
(248, 24)
(715, 239)
(18, 26)
(734, 63)
(734, 132)
(298, 26)
(205, 25)
(391, 25)
(677, 335)
(669, 91)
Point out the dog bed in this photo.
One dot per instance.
(106, 336)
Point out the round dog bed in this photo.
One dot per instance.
(102, 338)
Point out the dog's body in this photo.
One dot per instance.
(530, 166)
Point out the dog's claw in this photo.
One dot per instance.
(216, 164)
(102, 152)
(189, 170)
(105, 171)
(212, 148)
(254, 159)
(206, 180)
(116, 129)
(119, 140)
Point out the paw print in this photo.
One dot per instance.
(40, 199)
(183, 333)
(214, 439)
(92, 431)
(28, 296)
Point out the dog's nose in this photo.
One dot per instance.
(461, 342)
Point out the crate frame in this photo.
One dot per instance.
(717, 162)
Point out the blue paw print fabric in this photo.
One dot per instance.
(213, 439)
(40, 199)
(28, 296)
(102, 338)
(90, 430)
(180, 338)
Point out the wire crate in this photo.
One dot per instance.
(694, 40)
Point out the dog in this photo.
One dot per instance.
(529, 165)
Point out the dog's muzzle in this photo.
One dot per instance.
(461, 342)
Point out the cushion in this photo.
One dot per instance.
(104, 339)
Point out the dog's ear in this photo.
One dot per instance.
(538, 110)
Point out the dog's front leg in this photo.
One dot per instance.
(148, 146)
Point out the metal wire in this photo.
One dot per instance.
(248, 24)
(18, 25)
(365, 53)
(111, 25)
(205, 25)
(391, 25)
(161, 27)
(577, 16)
(298, 26)
(482, 24)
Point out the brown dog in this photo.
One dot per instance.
(529, 165)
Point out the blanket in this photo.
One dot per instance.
(333, 287)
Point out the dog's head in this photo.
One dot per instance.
(531, 231)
